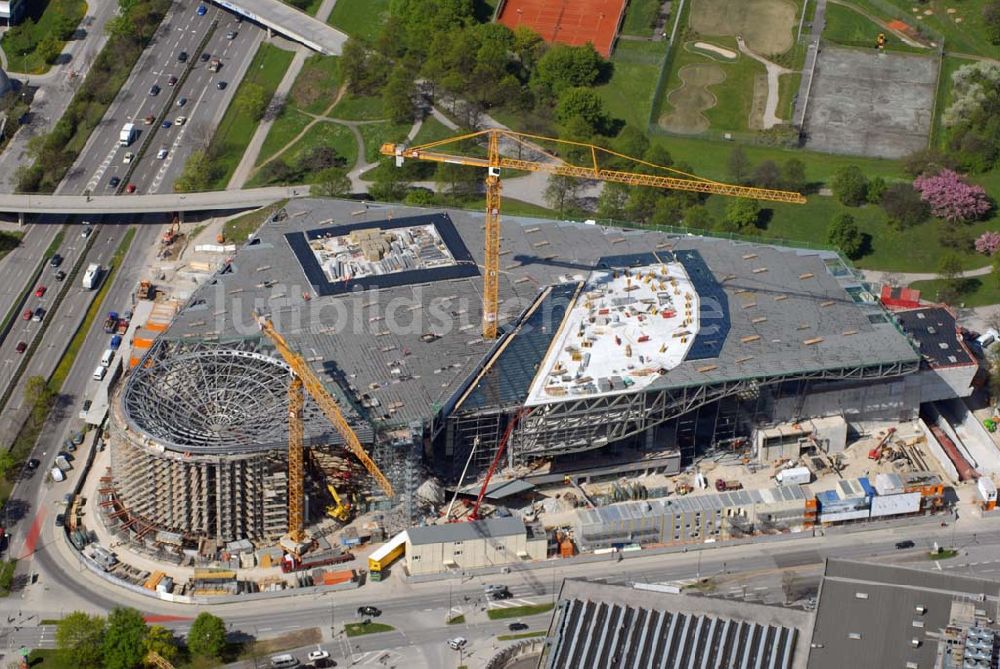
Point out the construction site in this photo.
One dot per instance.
(344, 377)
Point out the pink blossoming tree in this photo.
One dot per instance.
(988, 243)
(951, 198)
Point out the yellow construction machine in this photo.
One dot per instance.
(341, 510)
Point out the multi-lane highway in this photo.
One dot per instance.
(232, 43)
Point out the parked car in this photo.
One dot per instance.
(21, 347)
(182, 56)
(317, 655)
(60, 520)
(372, 611)
(458, 642)
(517, 627)
(115, 181)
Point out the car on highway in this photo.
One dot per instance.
(130, 188)
(21, 347)
(182, 57)
(517, 627)
(202, 10)
(372, 611)
(458, 642)
(221, 85)
(317, 655)
(56, 260)
(128, 158)
(172, 81)
(26, 315)
(903, 545)
(86, 232)
(38, 315)
(180, 120)
(60, 275)
(40, 291)
(162, 153)
(205, 56)
(181, 102)
(231, 34)
(149, 119)
(60, 520)
(33, 463)
(166, 124)
(114, 181)
(154, 90)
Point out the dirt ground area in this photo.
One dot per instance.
(768, 26)
(692, 98)
(870, 103)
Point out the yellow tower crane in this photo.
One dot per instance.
(494, 162)
(303, 378)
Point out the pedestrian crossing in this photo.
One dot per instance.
(510, 603)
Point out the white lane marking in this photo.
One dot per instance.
(101, 169)
(161, 173)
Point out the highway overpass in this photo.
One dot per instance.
(34, 203)
(290, 22)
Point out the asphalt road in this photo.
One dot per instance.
(181, 30)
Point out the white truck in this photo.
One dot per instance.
(92, 276)
(794, 476)
(128, 134)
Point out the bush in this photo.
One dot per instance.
(850, 186)
(843, 232)
(904, 207)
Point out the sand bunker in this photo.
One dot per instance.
(692, 98)
(718, 50)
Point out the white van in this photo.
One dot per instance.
(284, 661)
(100, 372)
(107, 357)
(57, 474)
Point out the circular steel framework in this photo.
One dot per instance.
(210, 401)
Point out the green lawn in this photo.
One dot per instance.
(788, 86)
(20, 42)
(359, 108)
(7, 568)
(457, 620)
(629, 93)
(284, 129)
(376, 134)
(326, 133)
(943, 554)
(522, 635)
(360, 18)
(317, 84)
(359, 629)
(234, 133)
(977, 291)
(237, 230)
(518, 611)
(432, 130)
(965, 36)
(52, 659)
(640, 18)
(850, 28)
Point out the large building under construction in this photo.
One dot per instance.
(610, 338)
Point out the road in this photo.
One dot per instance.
(181, 31)
(146, 204)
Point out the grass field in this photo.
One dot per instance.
(326, 133)
(241, 227)
(640, 18)
(376, 134)
(521, 635)
(518, 611)
(360, 18)
(284, 129)
(20, 43)
(629, 93)
(768, 26)
(359, 108)
(234, 133)
(850, 28)
(359, 629)
(317, 84)
(788, 86)
(965, 36)
(978, 291)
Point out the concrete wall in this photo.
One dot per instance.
(474, 554)
(946, 382)
(883, 400)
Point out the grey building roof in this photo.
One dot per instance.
(597, 625)
(373, 346)
(879, 603)
(491, 528)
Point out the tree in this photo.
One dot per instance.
(926, 161)
(611, 201)
(560, 192)
(332, 182)
(252, 100)
(388, 184)
(742, 215)
(124, 643)
(80, 635)
(843, 233)
(793, 175)
(632, 142)
(49, 48)
(988, 243)
(582, 103)
(198, 173)
(565, 66)
(207, 636)
(161, 641)
(698, 217)
(767, 175)
(991, 20)
(7, 463)
(876, 189)
(850, 186)
(320, 158)
(397, 96)
(37, 391)
(419, 197)
(951, 198)
(950, 272)
(738, 165)
(904, 206)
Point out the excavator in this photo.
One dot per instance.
(341, 510)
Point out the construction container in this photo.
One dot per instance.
(794, 476)
(333, 577)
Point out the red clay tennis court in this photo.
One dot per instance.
(568, 21)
